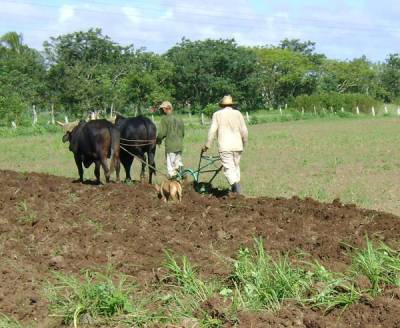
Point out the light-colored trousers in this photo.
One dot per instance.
(174, 161)
(230, 161)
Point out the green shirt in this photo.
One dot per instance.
(173, 130)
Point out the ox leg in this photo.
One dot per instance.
(143, 171)
(78, 163)
(105, 169)
(97, 171)
(151, 156)
(126, 161)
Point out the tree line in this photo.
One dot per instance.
(86, 70)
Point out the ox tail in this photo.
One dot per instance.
(115, 159)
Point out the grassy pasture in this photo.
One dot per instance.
(355, 160)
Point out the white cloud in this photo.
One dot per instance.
(133, 14)
(66, 12)
(341, 29)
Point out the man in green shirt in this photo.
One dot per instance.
(172, 129)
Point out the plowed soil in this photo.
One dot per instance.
(48, 223)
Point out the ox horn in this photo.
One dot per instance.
(60, 123)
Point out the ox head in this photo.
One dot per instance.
(69, 129)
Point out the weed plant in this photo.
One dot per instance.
(262, 283)
(95, 295)
(380, 264)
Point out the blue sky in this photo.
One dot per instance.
(342, 29)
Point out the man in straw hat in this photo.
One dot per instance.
(172, 129)
(231, 131)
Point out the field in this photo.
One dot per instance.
(116, 256)
(351, 159)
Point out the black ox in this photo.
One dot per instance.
(94, 142)
(138, 138)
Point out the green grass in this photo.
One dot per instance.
(331, 290)
(186, 292)
(258, 282)
(351, 159)
(380, 264)
(264, 283)
(7, 322)
(93, 296)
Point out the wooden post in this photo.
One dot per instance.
(386, 110)
(285, 106)
(302, 111)
(342, 109)
(66, 119)
(373, 111)
(280, 110)
(52, 114)
(331, 109)
(13, 125)
(358, 110)
(315, 110)
(35, 119)
(247, 117)
(202, 119)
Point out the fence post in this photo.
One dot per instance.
(302, 111)
(373, 111)
(386, 110)
(342, 109)
(280, 110)
(52, 114)
(13, 125)
(315, 111)
(202, 119)
(331, 109)
(285, 106)
(35, 119)
(247, 117)
(358, 110)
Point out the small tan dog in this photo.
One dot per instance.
(170, 190)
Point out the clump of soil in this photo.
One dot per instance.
(48, 224)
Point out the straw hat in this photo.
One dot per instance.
(165, 104)
(226, 101)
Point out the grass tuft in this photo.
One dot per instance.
(331, 290)
(188, 293)
(262, 283)
(380, 264)
(7, 322)
(94, 295)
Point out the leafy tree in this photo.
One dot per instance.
(22, 77)
(206, 70)
(391, 76)
(86, 69)
(355, 76)
(149, 80)
(284, 74)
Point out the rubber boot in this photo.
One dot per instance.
(236, 188)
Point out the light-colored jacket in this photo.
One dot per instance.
(230, 129)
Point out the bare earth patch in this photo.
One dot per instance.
(49, 224)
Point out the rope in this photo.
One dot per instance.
(138, 140)
(155, 170)
(136, 145)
